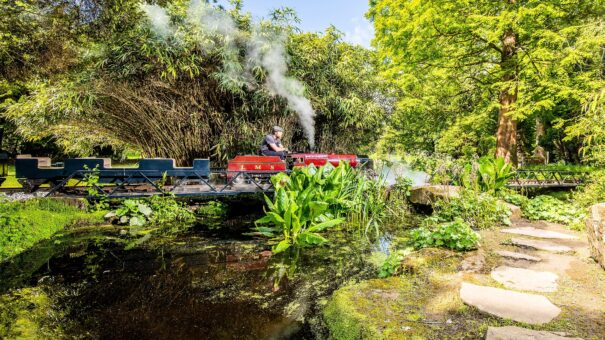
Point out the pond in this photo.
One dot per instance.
(210, 281)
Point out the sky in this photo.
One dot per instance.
(317, 15)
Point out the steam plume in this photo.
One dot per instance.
(264, 48)
(271, 55)
(159, 19)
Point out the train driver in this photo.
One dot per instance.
(271, 145)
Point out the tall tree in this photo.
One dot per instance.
(513, 58)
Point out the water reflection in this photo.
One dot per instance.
(194, 285)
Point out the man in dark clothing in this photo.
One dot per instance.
(271, 145)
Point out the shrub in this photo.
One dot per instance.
(479, 210)
(593, 191)
(513, 197)
(157, 210)
(551, 209)
(456, 235)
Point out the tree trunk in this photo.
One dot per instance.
(506, 137)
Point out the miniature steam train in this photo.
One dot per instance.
(244, 174)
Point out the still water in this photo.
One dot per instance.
(208, 282)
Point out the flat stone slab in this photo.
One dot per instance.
(525, 279)
(541, 245)
(518, 333)
(517, 256)
(508, 304)
(541, 233)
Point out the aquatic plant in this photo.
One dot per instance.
(310, 200)
(158, 210)
(299, 217)
(456, 235)
(488, 174)
(392, 264)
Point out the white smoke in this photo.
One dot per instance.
(159, 19)
(264, 48)
(271, 55)
(398, 169)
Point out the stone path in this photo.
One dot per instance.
(541, 245)
(518, 333)
(525, 279)
(517, 256)
(508, 304)
(541, 258)
(541, 233)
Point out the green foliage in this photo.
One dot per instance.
(212, 209)
(551, 209)
(593, 191)
(447, 62)
(22, 224)
(490, 176)
(299, 216)
(133, 212)
(123, 78)
(442, 168)
(91, 180)
(392, 264)
(156, 210)
(456, 235)
(479, 210)
(311, 200)
(513, 197)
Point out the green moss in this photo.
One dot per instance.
(26, 314)
(343, 318)
(397, 307)
(25, 223)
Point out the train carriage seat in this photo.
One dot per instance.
(36, 168)
(78, 164)
(202, 166)
(158, 164)
(42, 161)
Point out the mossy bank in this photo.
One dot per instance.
(23, 223)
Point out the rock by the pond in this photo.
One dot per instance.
(427, 194)
(541, 233)
(473, 263)
(518, 256)
(508, 304)
(518, 333)
(541, 245)
(595, 227)
(525, 279)
(515, 211)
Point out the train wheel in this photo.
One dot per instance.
(28, 185)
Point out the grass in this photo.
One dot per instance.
(23, 224)
(12, 183)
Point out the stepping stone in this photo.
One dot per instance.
(541, 233)
(518, 333)
(541, 245)
(525, 279)
(517, 256)
(508, 304)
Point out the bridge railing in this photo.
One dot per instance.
(538, 178)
